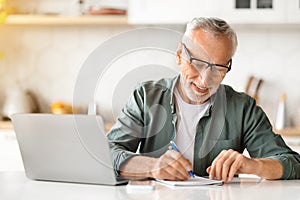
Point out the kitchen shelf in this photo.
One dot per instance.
(66, 20)
(24, 19)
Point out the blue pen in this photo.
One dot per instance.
(191, 173)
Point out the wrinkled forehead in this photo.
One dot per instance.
(195, 49)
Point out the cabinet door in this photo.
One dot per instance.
(254, 11)
(233, 11)
(10, 157)
(293, 11)
(170, 11)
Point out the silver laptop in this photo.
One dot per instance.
(67, 148)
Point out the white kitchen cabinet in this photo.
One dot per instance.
(10, 156)
(293, 11)
(254, 11)
(169, 11)
(233, 11)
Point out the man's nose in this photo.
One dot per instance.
(203, 77)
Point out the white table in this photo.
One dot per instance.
(15, 186)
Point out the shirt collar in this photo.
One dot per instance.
(214, 99)
(172, 103)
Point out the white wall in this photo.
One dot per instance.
(273, 54)
(46, 60)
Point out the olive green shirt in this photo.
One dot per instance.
(147, 124)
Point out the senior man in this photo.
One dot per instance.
(211, 123)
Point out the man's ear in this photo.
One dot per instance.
(178, 53)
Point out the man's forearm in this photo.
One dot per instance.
(268, 168)
(138, 166)
(171, 165)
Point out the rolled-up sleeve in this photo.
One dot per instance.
(119, 156)
(262, 142)
(291, 165)
(125, 136)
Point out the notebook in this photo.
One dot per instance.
(197, 181)
(66, 148)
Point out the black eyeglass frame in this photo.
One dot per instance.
(208, 64)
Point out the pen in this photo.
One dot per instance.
(191, 173)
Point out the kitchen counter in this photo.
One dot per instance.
(6, 125)
(14, 185)
(9, 149)
(291, 131)
(290, 135)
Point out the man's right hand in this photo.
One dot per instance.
(171, 166)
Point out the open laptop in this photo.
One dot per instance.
(66, 148)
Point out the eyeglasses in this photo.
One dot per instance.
(200, 65)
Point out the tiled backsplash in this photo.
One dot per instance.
(46, 60)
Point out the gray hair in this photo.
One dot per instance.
(215, 26)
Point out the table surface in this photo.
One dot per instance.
(15, 185)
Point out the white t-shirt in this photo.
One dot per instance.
(188, 116)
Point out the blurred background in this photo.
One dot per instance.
(43, 44)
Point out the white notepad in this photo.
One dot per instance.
(197, 181)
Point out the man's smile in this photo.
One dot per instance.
(199, 89)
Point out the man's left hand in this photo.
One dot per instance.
(228, 163)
